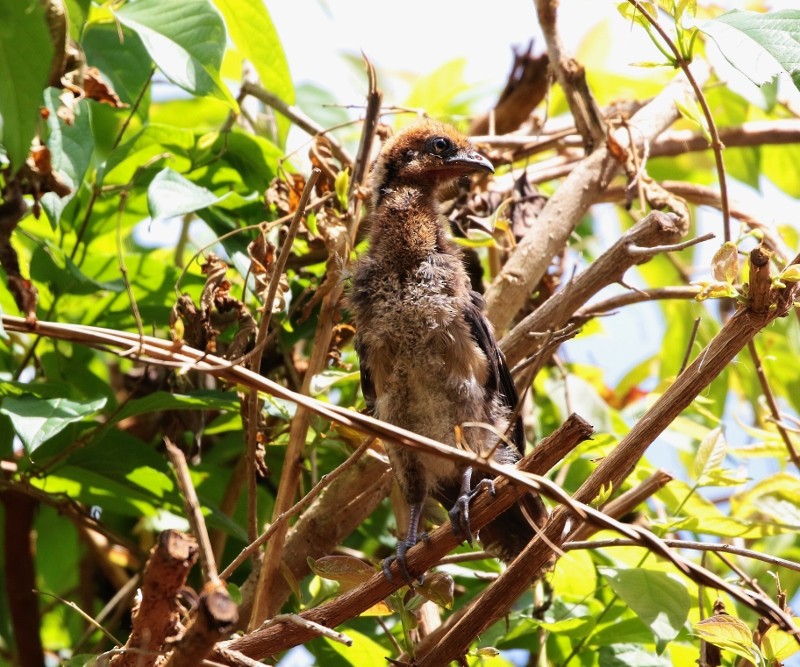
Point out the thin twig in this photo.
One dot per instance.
(692, 337)
(317, 628)
(716, 144)
(694, 546)
(772, 403)
(256, 353)
(634, 249)
(80, 611)
(193, 512)
(298, 118)
(633, 297)
(297, 508)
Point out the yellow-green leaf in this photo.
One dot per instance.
(778, 644)
(344, 569)
(710, 453)
(729, 633)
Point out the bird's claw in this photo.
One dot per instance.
(459, 515)
(400, 559)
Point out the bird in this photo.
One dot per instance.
(429, 361)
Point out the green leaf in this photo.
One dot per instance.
(122, 58)
(778, 644)
(162, 400)
(729, 633)
(25, 55)
(363, 653)
(71, 148)
(170, 194)
(779, 165)
(442, 92)
(630, 655)
(77, 12)
(174, 144)
(660, 600)
(51, 265)
(710, 453)
(791, 274)
(36, 420)
(254, 34)
(186, 40)
(690, 109)
(745, 38)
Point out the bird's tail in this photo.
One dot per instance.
(507, 535)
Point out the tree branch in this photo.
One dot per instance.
(562, 212)
(653, 230)
(612, 472)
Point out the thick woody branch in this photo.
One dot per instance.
(557, 220)
(339, 510)
(571, 77)
(612, 472)
(19, 545)
(214, 620)
(669, 144)
(655, 229)
(156, 617)
(625, 503)
(279, 637)
(732, 338)
(702, 195)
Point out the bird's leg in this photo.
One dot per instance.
(412, 537)
(459, 515)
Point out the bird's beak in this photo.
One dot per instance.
(469, 161)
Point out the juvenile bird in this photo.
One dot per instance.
(429, 360)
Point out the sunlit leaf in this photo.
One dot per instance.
(36, 420)
(710, 453)
(791, 274)
(255, 36)
(170, 194)
(362, 653)
(778, 644)
(729, 633)
(25, 54)
(660, 600)
(185, 38)
(759, 45)
(71, 148)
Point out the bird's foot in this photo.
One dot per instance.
(459, 515)
(400, 559)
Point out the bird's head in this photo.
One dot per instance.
(427, 154)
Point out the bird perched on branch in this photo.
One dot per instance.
(429, 360)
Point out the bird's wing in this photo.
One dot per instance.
(367, 385)
(500, 379)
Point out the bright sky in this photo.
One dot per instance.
(414, 37)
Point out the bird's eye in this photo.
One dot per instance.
(439, 145)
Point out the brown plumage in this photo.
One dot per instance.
(429, 360)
